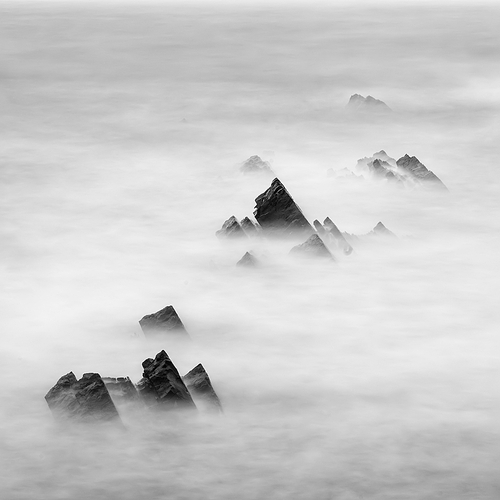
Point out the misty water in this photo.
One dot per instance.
(122, 131)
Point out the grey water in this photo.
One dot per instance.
(122, 129)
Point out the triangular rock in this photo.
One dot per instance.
(255, 164)
(198, 383)
(337, 236)
(248, 260)
(417, 170)
(381, 230)
(165, 321)
(277, 213)
(231, 229)
(85, 400)
(312, 247)
(250, 228)
(164, 384)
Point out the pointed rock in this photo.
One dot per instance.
(163, 322)
(312, 247)
(319, 228)
(381, 230)
(337, 236)
(277, 213)
(164, 384)
(248, 260)
(250, 228)
(231, 229)
(418, 171)
(255, 164)
(198, 384)
(84, 400)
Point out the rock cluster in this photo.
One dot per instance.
(93, 399)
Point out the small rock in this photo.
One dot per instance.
(419, 171)
(312, 247)
(162, 322)
(84, 400)
(359, 103)
(231, 229)
(319, 228)
(381, 230)
(121, 390)
(163, 382)
(277, 213)
(255, 164)
(250, 227)
(198, 383)
(337, 236)
(248, 260)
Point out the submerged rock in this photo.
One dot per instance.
(418, 171)
(255, 164)
(381, 230)
(162, 382)
(198, 383)
(312, 247)
(231, 229)
(121, 390)
(277, 213)
(84, 400)
(359, 103)
(165, 321)
(248, 260)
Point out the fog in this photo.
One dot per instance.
(123, 127)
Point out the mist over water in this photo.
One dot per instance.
(123, 128)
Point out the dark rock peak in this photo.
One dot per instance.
(249, 227)
(198, 383)
(312, 247)
(380, 229)
(255, 164)
(162, 380)
(359, 103)
(248, 260)
(418, 170)
(84, 400)
(231, 229)
(164, 321)
(277, 213)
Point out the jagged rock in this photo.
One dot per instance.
(333, 230)
(231, 229)
(146, 392)
(163, 382)
(162, 322)
(121, 390)
(250, 227)
(359, 103)
(381, 230)
(418, 171)
(255, 164)
(277, 213)
(198, 384)
(319, 228)
(248, 260)
(84, 400)
(312, 247)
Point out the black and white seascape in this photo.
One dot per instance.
(249, 251)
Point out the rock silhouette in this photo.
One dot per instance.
(312, 247)
(198, 383)
(162, 381)
(165, 321)
(248, 260)
(250, 228)
(381, 230)
(255, 164)
(231, 229)
(418, 171)
(337, 236)
(278, 214)
(84, 400)
(359, 103)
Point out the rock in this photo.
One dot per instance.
(277, 213)
(163, 382)
(198, 384)
(333, 230)
(162, 322)
(255, 164)
(121, 390)
(84, 400)
(319, 228)
(381, 230)
(231, 229)
(250, 227)
(359, 103)
(312, 247)
(418, 171)
(248, 260)
(146, 392)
